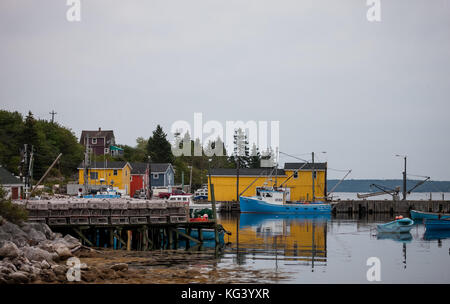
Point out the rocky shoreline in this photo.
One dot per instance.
(32, 253)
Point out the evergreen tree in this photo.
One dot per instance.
(159, 148)
(255, 157)
(241, 151)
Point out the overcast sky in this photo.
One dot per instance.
(361, 91)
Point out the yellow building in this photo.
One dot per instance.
(296, 178)
(112, 173)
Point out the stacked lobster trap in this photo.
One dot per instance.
(99, 212)
(58, 212)
(157, 212)
(178, 212)
(79, 211)
(119, 211)
(138, 212)
(37, 211)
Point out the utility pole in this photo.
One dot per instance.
(404, 176)
(150, 193)
(86, 164)
(190, 176)
(53, 113)
(237, 178)
(404, 181)
(313, 178)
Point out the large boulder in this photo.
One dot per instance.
(41, 228)
(58, 246)
(36, 236)
(120, 267)
(38, 254)
(71, 241)
(12, 232)
(19, 277)
(47, 275)
(9, 250)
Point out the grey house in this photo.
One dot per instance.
(162, 174)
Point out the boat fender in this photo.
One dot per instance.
(399, 217)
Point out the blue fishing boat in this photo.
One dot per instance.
(400, 225)
(420, 215)
(270, 200)
(107, 192)
(433, 224)
(431, 234)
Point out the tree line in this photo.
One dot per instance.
(47, 139)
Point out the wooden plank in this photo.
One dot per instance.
(81, 235)
(119, 239)
(185, 235)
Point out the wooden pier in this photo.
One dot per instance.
(122, 223)
(138, 236)
(389, 206)
(229, 206)
(370, 206)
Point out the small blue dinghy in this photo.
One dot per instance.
(441, 224)
(400, 225)
(420, 215)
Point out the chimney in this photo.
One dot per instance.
(99, 129)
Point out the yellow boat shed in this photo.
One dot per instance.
(299, 184)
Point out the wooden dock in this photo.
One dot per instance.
(122, 223)
(389, 206)
(370, 206)
(137, 236)
(231, 206)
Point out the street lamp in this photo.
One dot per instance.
(404, 175)
(149, 190)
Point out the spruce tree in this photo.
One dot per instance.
(159, 148)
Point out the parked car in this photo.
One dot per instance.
(174, 192)
(140, 194)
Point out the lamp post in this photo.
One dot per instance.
(190, 178)
(149, 190)
(404, 176)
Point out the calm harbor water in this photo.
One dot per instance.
(298, 249)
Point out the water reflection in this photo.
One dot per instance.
(398, 237)
(278, 237)
(436, 235)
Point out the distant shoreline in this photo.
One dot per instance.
(363, 185)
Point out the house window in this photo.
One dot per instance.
(155, 176)
(296, 174)
(94, 141)
(115, 172)
(106, 150)
(94, 175)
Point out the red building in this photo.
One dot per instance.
(11, 184)
(139, 177)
